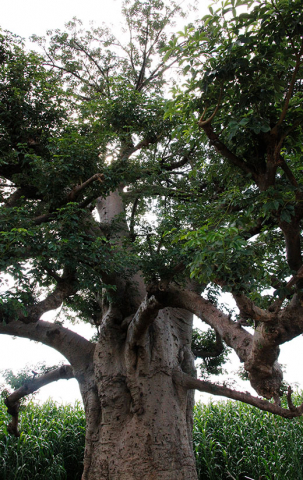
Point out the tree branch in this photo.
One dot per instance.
(222, 149)
(186, 381)
(48, 217)
(146, 314)
(231, 332)
(71, 197)
(78, 188)
(13, 401)
(202, 123)
(178, 164)
(64, 289)
(288, 172)
(74, 347)
(248, 310)
(292, 234)
(132, 219)
(259, 351)
(276, 305)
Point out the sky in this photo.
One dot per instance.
(27, 17)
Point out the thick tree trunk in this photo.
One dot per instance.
(139, 423)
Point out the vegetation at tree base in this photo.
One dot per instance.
(51, 444)
(237, 441)
(229, 438)
(133, 207)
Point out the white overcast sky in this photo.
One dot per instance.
(27, 17)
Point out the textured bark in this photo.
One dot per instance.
(139, 420)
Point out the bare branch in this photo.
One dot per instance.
(189, 382)
(13, 401)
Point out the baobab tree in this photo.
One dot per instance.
(133, 207)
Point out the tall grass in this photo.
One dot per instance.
(51, 444)
(231, 441)
(236, 441)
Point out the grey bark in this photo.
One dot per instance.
(139, 420)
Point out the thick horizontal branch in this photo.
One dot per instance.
(259, 351)
(13, 401)
(75, 348)
(189, 382)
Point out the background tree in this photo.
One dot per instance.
(124, 207)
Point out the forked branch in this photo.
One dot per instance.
(13, 401)
(202, 123)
